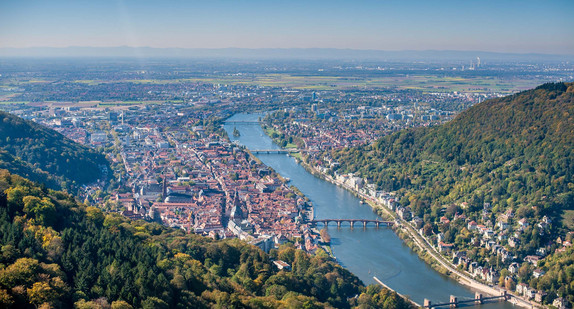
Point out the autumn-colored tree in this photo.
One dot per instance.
(325, 235)
(40, 293)
(5, 299)
(22, 272)
(120, 304)
(509, 284)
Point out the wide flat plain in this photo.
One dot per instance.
(431, 82)
(425, 83)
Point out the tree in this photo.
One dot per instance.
(5, 299)
(43, 210)
(9, 252)
(14, 196)
(40, 293)
(524, 271)
(325, 235)
(120, 304)
(22, 272)
(509, 284)
(427, 229)
(95, 215)
(154, 303)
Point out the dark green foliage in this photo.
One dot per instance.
(46, 156)
(87, 258)
(25, 169)
(514, 152)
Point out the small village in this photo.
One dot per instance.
(497, 239)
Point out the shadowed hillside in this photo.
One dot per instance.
(45, 155)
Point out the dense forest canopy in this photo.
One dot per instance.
(44, 155)
(25, 169)
(55, 252)
(513, 151)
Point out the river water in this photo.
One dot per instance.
(365, 252)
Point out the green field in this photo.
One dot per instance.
(297, 155)
(13, 102)
(425, 83)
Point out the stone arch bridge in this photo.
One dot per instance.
(352, 222)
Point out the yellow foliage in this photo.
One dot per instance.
(5, 299)
(182, 257)
(120, 304)
(40, 293)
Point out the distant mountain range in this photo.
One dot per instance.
(276, 53)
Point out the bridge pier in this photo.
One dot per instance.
(427, 303)
(377, 224)
(352, 224)
(453, 301)
(364, 225)
(478, 298)
(338, 224)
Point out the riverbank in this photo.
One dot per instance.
(365, 252)
(389, 288)
(422, 247)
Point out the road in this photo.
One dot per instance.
(425, 246)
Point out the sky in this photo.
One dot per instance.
(523, 26)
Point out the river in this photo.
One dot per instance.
(366, 253)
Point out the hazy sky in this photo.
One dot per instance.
(545, 26)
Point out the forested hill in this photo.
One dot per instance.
(56, 253)
(513, 152)
(46, 156)
(25, 169)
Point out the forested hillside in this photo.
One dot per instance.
(51, 157)
(495, 183)
(25, 169)
(515, 151)
(57, 253)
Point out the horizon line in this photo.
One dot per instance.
(292, 48)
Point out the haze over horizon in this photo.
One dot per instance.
(510, 27)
